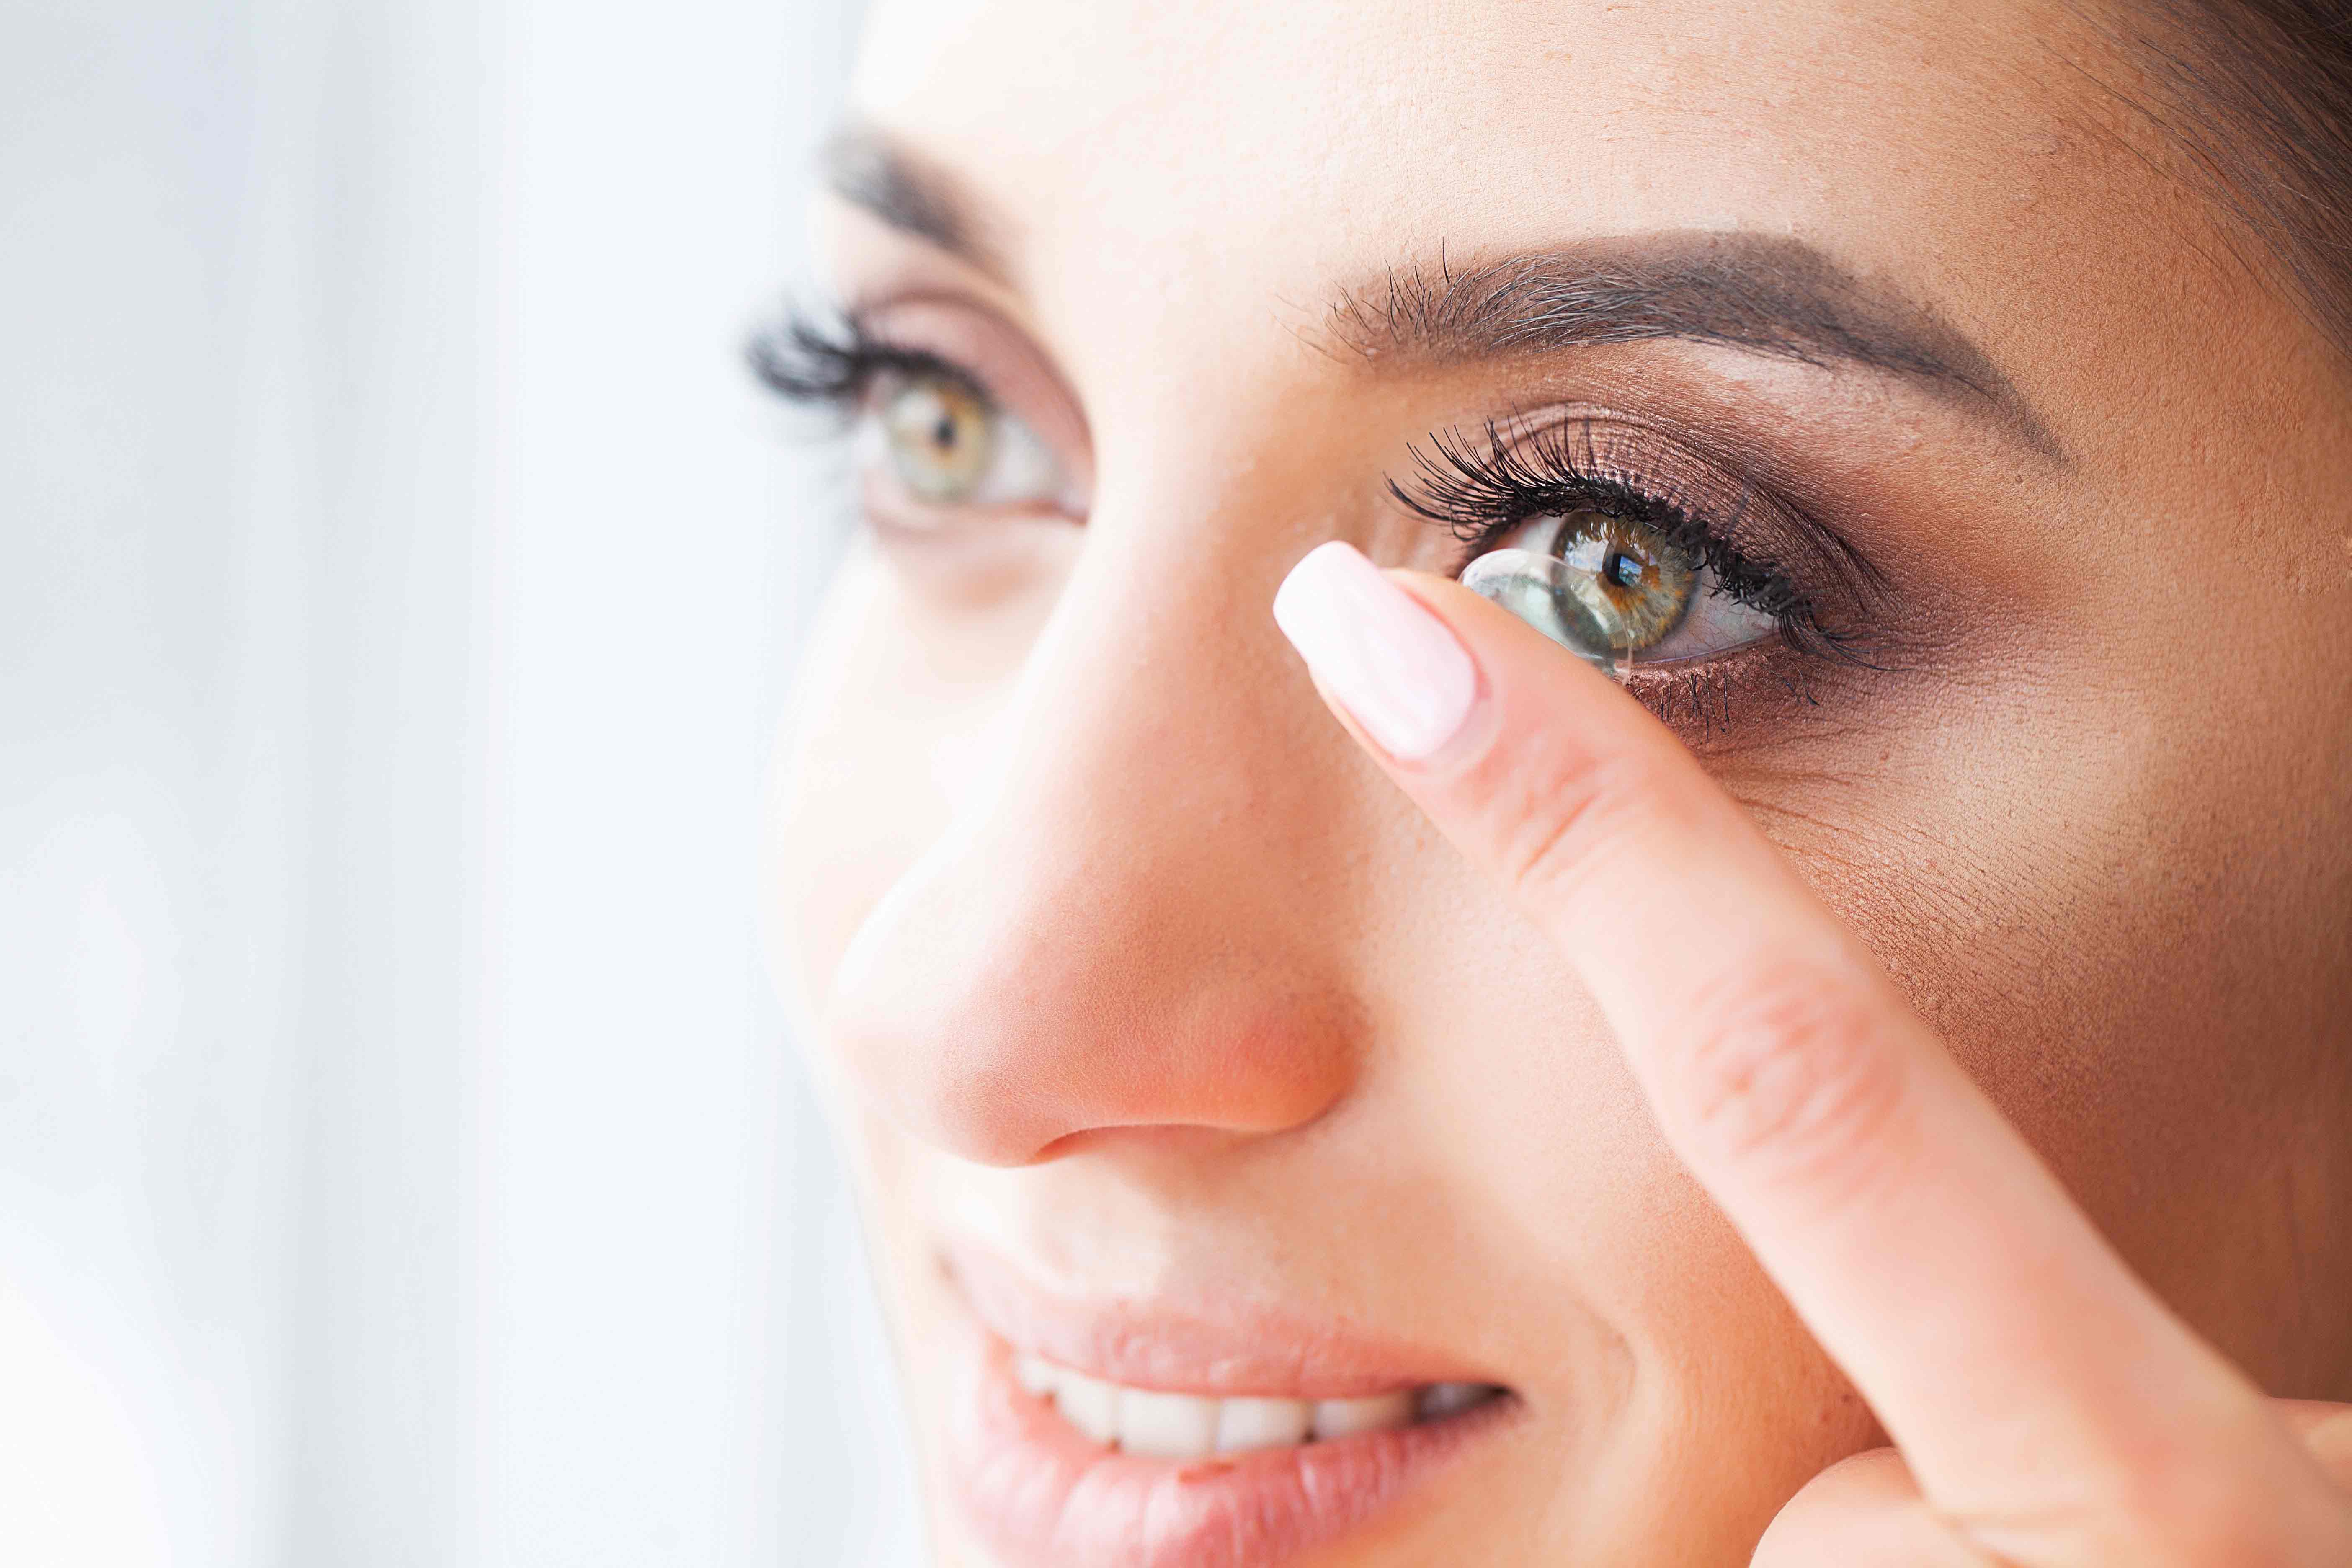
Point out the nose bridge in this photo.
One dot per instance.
(1119, 928)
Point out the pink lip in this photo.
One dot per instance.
(1213, 1345)
(1042, 1496)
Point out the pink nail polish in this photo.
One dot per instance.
(1397, 668)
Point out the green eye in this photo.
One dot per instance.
(1640, 585)
(939, 433)
(1612, 591)
(948, 443)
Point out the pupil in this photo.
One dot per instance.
(944, 433)
(1622, 570)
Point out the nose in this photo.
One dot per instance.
(1129, 922)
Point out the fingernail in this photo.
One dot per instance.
(1397, 668)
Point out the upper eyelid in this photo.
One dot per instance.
(887, 353)
(1701, 537)
(996, 355)
(808, 359)
(1599, 451)
(1540, 457)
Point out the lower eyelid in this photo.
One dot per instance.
(1758, 694)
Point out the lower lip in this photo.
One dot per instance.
(1042, 1496)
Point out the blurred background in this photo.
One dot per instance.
(400, 1159)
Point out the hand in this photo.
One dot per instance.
(2046, 1409)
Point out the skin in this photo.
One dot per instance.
(1174, 983)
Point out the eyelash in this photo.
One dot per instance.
(1481, 492)
(830, 362)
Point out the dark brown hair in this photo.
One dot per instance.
(2260, 97)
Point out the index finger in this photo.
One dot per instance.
(2006, 1348)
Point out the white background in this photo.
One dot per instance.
(401, 1163)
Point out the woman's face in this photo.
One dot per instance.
(1173, 1047)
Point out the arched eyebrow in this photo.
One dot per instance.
(867, 168)
(1765, 294)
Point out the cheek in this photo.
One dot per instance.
(1538, 1172)
(2078, 882)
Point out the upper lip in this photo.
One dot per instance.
(1214, 1343)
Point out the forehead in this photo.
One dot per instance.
(1209, 144)
(1177, 189)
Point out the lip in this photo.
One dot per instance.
(1041, 1495)
(1211, 1344)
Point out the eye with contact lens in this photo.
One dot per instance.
(1613, 591)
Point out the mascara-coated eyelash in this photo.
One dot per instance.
(829, 361)
(1481, 491)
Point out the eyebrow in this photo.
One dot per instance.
(1772, 295)
(867, 168)
(1765, 294)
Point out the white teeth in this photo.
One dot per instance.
(1035, 1374)
(1156, 1425)
(1167, 1425)
(1089, 1405)
(1246, 1423)
(1346, 1417)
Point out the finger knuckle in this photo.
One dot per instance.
(2204, 1512)
(1790, 1077)
(2180, 1495)
(1557, 813)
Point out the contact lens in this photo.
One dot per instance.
(1562, 599)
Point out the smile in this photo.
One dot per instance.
(1192, 1433)
(1157, 1424)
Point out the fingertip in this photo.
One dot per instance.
(1384, 655)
